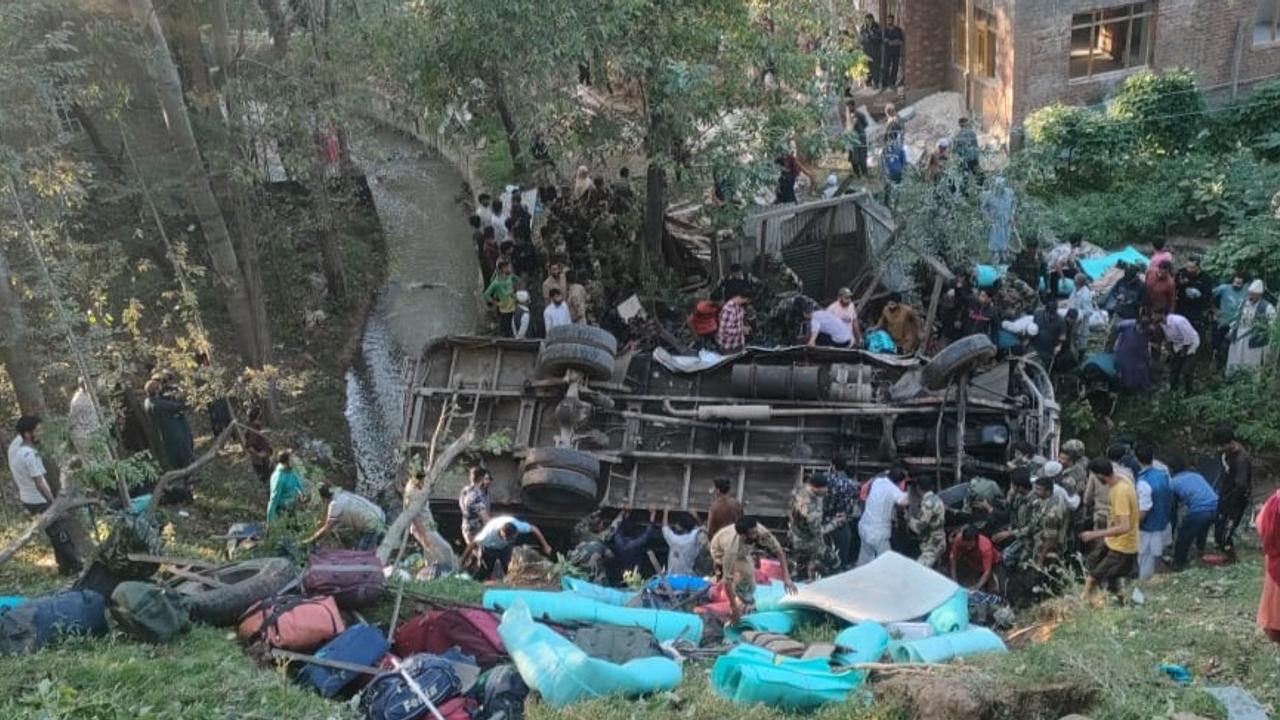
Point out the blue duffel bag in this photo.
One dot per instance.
(358, 645)
(41, 620)
(390, 697)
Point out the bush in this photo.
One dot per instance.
(1250, 121)
(1254, 246)
(1131, 212)
(1225, 189)
(1164, 112)
(1072, 147)
(1245, 401)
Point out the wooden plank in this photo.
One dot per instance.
(291, 656)
(932, 314)
(188, 575)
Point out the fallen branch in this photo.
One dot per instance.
(60, 506)
(1019, 633)
(181, 473)
(414, 507)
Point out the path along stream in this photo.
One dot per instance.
(431, 290)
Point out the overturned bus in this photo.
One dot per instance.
(585, 427)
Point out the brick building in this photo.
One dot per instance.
(1010, 57)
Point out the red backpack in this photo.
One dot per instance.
(474, 632)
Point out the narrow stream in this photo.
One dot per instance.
(431, 290)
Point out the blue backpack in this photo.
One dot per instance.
(390, 696)
(41, 620)
(358, 645)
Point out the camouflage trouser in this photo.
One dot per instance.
(931, 551)
(813, 559)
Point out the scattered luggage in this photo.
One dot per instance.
(390, 696)
(473, 631)
(501, 696)
(353, 578)
(41, 620)
(150, 612)
(292, 623)
(359, 645)
(616, 644)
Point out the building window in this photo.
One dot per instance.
(1267, 28)
(1104, 41)
(979, 44)
(984, 43)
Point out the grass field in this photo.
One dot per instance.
(1099, 661)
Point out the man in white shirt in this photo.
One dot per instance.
(1183, 341)
(490, 549)
(520, 319)
(844, 309)
(875, 528)
(28, 472)
(556, 313)
(827, 330)
(683, 545)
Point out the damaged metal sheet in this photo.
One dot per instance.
(891, 588)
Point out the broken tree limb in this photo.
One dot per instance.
(60, 506)
(188, 471)
(416, 503)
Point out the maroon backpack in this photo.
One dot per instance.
(352, 577)
(473, 631)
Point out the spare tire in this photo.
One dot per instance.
(595, 363)
(583, 335)
(556, 490)
(244, 583)
(956, 358)
(563, 458)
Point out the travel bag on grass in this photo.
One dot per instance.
(150, 612)
(391, 697)
(353, 578)
(292, 623)
(473, 631)
(42, 620)
(359, 645)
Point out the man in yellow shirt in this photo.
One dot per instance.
(1116, 557)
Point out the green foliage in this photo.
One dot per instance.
(944, 218)
(1128, 213)
(1246, 401)
(1072, 147)
(1252, 245)
(1078, 418)
(496, 443)
(1253, 120)
(1164, 111)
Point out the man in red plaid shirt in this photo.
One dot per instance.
(732, 334)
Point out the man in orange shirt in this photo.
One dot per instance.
(1116, 556)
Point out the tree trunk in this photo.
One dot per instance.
(655, 210)
(419, 503)
(106, 158)
(279, 24)
(16, 348)
(221, 41)
(511, 128)
(221, 248)
(188, 47)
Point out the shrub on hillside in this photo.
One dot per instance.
(1165, 112)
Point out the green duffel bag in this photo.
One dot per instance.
(150, 612)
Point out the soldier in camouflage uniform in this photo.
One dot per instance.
(1015, 297)
(808, 531)
(985, 505)
(591, 552)
(1015, 542)
(731, 549)
(930, 523)
(1051, 525)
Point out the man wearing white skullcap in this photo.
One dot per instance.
(1251, 332)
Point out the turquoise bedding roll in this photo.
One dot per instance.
(862, 643)
(952, 615)
(749, 675)
(944, 648)
(567, 607)
(563, 674)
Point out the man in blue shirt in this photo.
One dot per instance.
(1227, 299)
(1155, 510)
(894, 161)
(1192, 491)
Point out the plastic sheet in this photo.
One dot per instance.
(562, 673)
(891, 588)
(944, 648)
(606, 595)
(1096, 267)
(750, 675)
(862, 643)
(567, 607)
(773, 621)
(952, 615)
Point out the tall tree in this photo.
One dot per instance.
(244, 316)
(16, 347)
